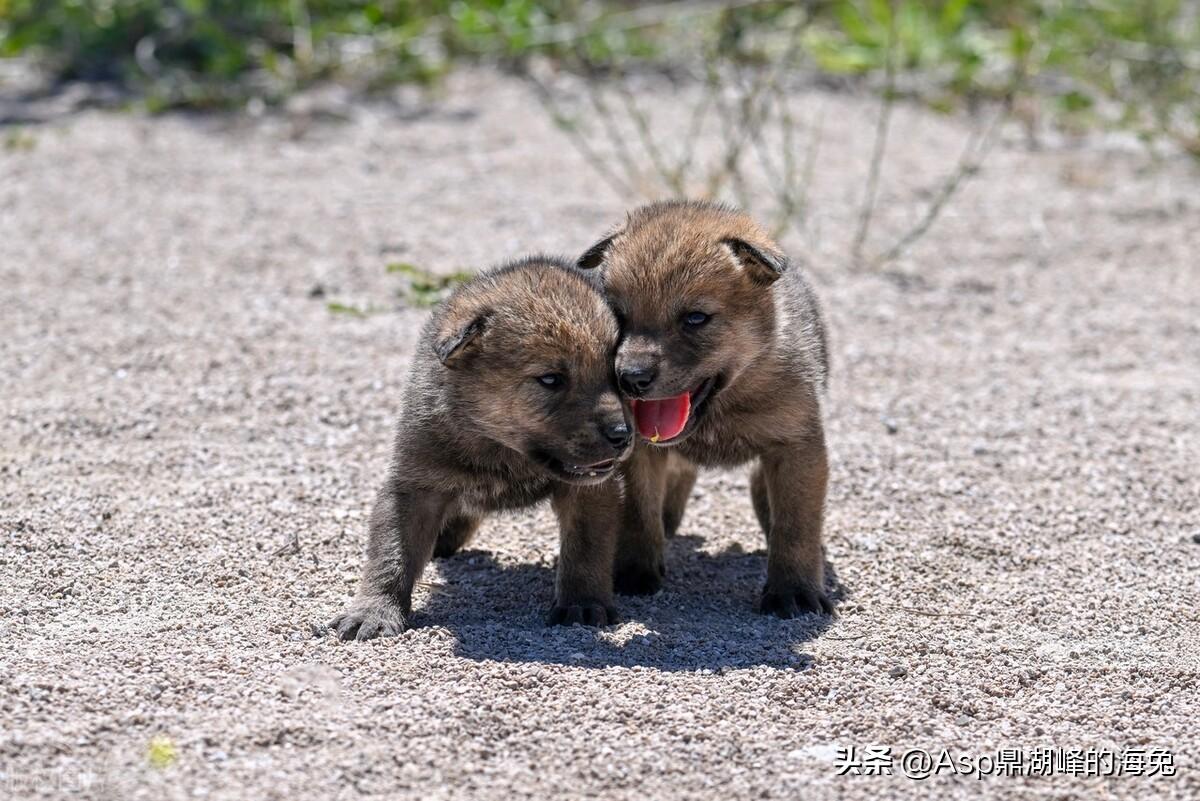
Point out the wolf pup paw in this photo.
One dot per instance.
(370, 618)
(793, 601)
(638, 579)
(587, 613)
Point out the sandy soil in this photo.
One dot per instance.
(191, 439)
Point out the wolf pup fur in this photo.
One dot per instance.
(511, 400)
(723, 355)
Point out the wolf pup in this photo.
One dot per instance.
(723, 356)
(511, 400)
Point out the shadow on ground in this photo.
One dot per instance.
(705, 617)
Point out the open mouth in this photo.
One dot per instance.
(579, 472)
(662, 420)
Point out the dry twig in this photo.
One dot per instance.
(882, 128)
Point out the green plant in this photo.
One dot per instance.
(201, 53)
(18, 140)
(1133, 63)
(423, 288)
(945, 39)
(1127, 63)
(207, 52)
(335, 307)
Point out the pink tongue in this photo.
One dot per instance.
(662, 419)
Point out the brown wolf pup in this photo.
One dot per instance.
(511, 400)
(723, 356)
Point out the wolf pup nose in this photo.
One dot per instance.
(511, 400)
(636, 380)
(723, 359)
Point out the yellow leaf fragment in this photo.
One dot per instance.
(161, 752)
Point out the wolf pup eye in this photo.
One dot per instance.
(552, 380)
(695, 319)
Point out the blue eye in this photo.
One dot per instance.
(552, 380)
(695, 319)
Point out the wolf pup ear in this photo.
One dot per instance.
(454, 340)
(593, 256)
(763, 266)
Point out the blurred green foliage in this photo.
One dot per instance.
(1133, 62)
(423, 288)
(212, 52)
(1136, 60)
(926, 35)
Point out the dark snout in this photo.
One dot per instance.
(600, 438)
(613, 429)
(636, 381)
(617, 434)
(637, 366)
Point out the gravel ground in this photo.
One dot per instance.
(191, 440)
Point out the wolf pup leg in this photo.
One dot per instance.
(404, 527)
(795, 481)
(681, 477)
(456, 532)
(587, 519)
(640, 568)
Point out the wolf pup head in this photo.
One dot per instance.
(527, 351)
(691, 285)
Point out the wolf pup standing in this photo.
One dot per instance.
(510, 400)
(723, 356)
